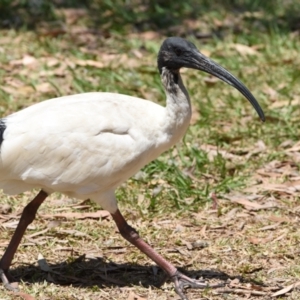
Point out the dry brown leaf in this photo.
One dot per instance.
(244, 49)
(260, 146)
(14, 224)
(25, 90)
(89, 63)
(133, 296)
(210, 81)
(213, 151)
(27, 60)
(37, 233)
(146, 35)
(137, 53)
(195, 115)
(241, 291)
(109, 60)
(22, 90)
(74, 215)
(5, 209)
(275, 218)
(206, 52)
(283, 236)
(72, 15)
(270, 227)
(270, 92)
(286, 103)
(286, 289)
(249, 205)
(8, 90)
(75, 233)
(203, 231)
(52, 62)
(24, 296)
(257, 241)
(58, 72)
(286, 143)
(295, 148)
(82, 207)
(286, 188)
(44, 87)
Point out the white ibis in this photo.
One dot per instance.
(87, 145)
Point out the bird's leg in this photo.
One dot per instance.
(27, 217)
(180, 280)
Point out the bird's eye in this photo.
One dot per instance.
(178, 51)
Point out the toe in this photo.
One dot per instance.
(6, 278)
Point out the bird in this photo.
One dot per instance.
(86, 145)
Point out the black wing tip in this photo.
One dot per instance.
(2, 129)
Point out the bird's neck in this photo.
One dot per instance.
(178, 108)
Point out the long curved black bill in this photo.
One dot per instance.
(201, 62)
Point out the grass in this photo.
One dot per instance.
(226, 151)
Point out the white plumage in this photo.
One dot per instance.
(86, 145)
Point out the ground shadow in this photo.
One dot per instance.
(83, 272)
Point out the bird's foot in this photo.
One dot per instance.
(8, 281)
(182, 281)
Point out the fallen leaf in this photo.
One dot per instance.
(286, 103)
(273, 95)
(44, 87)
(146, 35)
(52, 62)
(258, 241)
(260, 146)
(283, 236)
(213, 151)
(14, 224)
(286, 289)
(279, 219)
(27, 60)
(24, 296)
(210, 81)
(72, 15)
(294, 148)
(244, 49)
(270, 227)
(5, 209)
(246, 203)
(133, 296)
(89, 63)
(195, 115)
(37, 233)
(74, 215)
(75, 233)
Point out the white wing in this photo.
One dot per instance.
(79, 144)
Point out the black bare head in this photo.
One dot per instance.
(176, 53)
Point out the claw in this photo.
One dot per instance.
(9, 286)
(182, 281)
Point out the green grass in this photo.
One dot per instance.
(219, 153)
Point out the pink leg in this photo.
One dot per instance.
(27, 217)
(180, 280)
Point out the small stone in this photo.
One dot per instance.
(199, 244)
(5, 209)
